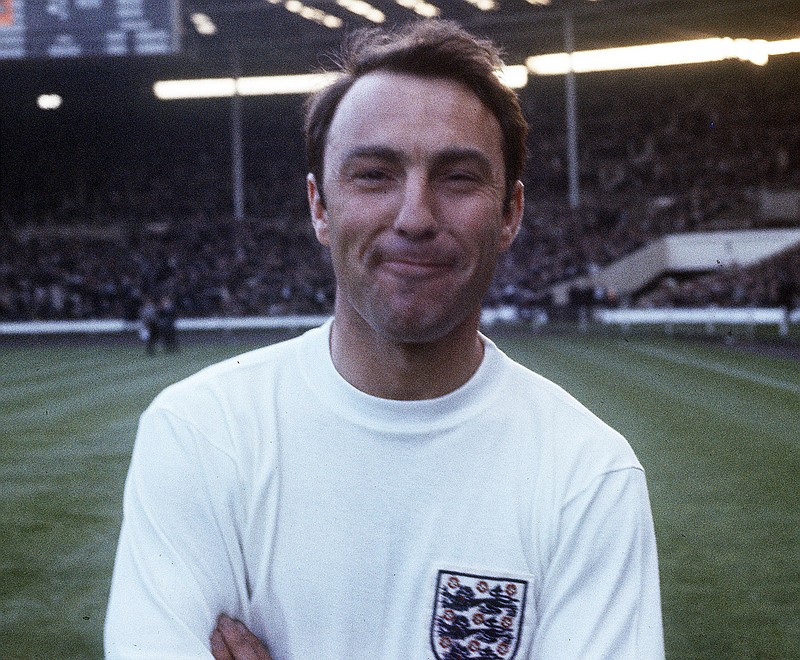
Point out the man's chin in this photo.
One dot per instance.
(414, 329)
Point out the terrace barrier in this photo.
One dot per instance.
(710, 317)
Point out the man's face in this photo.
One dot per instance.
(414, 185)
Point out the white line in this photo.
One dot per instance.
(719, 368)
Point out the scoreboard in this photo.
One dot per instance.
(78, 28)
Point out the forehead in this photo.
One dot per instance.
(414, 114)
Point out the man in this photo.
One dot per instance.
(148, 329)
(390, 485)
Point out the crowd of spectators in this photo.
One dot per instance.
(206, 270)
(775, 282)
(659, 154)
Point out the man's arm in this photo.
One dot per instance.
(600, 595)
(178, 561)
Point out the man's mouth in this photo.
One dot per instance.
(415, 267)
(415, 263)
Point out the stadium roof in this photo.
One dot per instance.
(269, 35)
(269, 38)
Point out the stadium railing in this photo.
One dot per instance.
(625, 318)
(707, 316)
(117, 326)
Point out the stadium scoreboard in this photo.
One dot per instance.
(78, 28)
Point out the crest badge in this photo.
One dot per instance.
(477, 616)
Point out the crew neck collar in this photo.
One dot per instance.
(391, 415)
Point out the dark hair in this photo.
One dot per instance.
(431, 48)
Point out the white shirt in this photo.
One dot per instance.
(335, 524)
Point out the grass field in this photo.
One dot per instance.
(717, 430)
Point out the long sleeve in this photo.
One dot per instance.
(178, 562)
(600, 596)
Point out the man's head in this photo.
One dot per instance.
(432, 49)
(419, 196)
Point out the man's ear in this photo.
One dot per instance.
(512, 217)
(319, 214)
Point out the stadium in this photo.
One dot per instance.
(656, 275)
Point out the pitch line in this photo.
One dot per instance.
(742, 374)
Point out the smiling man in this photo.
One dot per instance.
(390, 485)
(415, 215)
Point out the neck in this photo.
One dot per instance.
(405, 371)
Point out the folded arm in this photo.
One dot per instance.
(178, 562)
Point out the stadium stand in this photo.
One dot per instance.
(101, 210)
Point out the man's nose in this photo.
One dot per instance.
(416, 217)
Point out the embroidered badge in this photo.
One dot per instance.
(476, 616)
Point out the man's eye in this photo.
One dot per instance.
(371, 175)
(461, 177)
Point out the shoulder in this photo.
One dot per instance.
(239, 384)
(565, 434)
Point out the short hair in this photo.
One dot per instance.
(428, 48)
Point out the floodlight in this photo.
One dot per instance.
(420, 7)
(515, 76)
(361, 8)
(205, 88)
(696, 51)
(483, 5)
(246, 86)
(310, 13)
(49, 101)
(299, 84)
(203, 24)
(783, 47)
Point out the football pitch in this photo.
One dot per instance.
(717, 429)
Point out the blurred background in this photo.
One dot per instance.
(111, 195)
(150, 227)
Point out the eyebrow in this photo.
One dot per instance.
(455, 155)
(378, 152)
(441, 158)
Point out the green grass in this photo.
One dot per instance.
(717, 430)
(69, 417)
